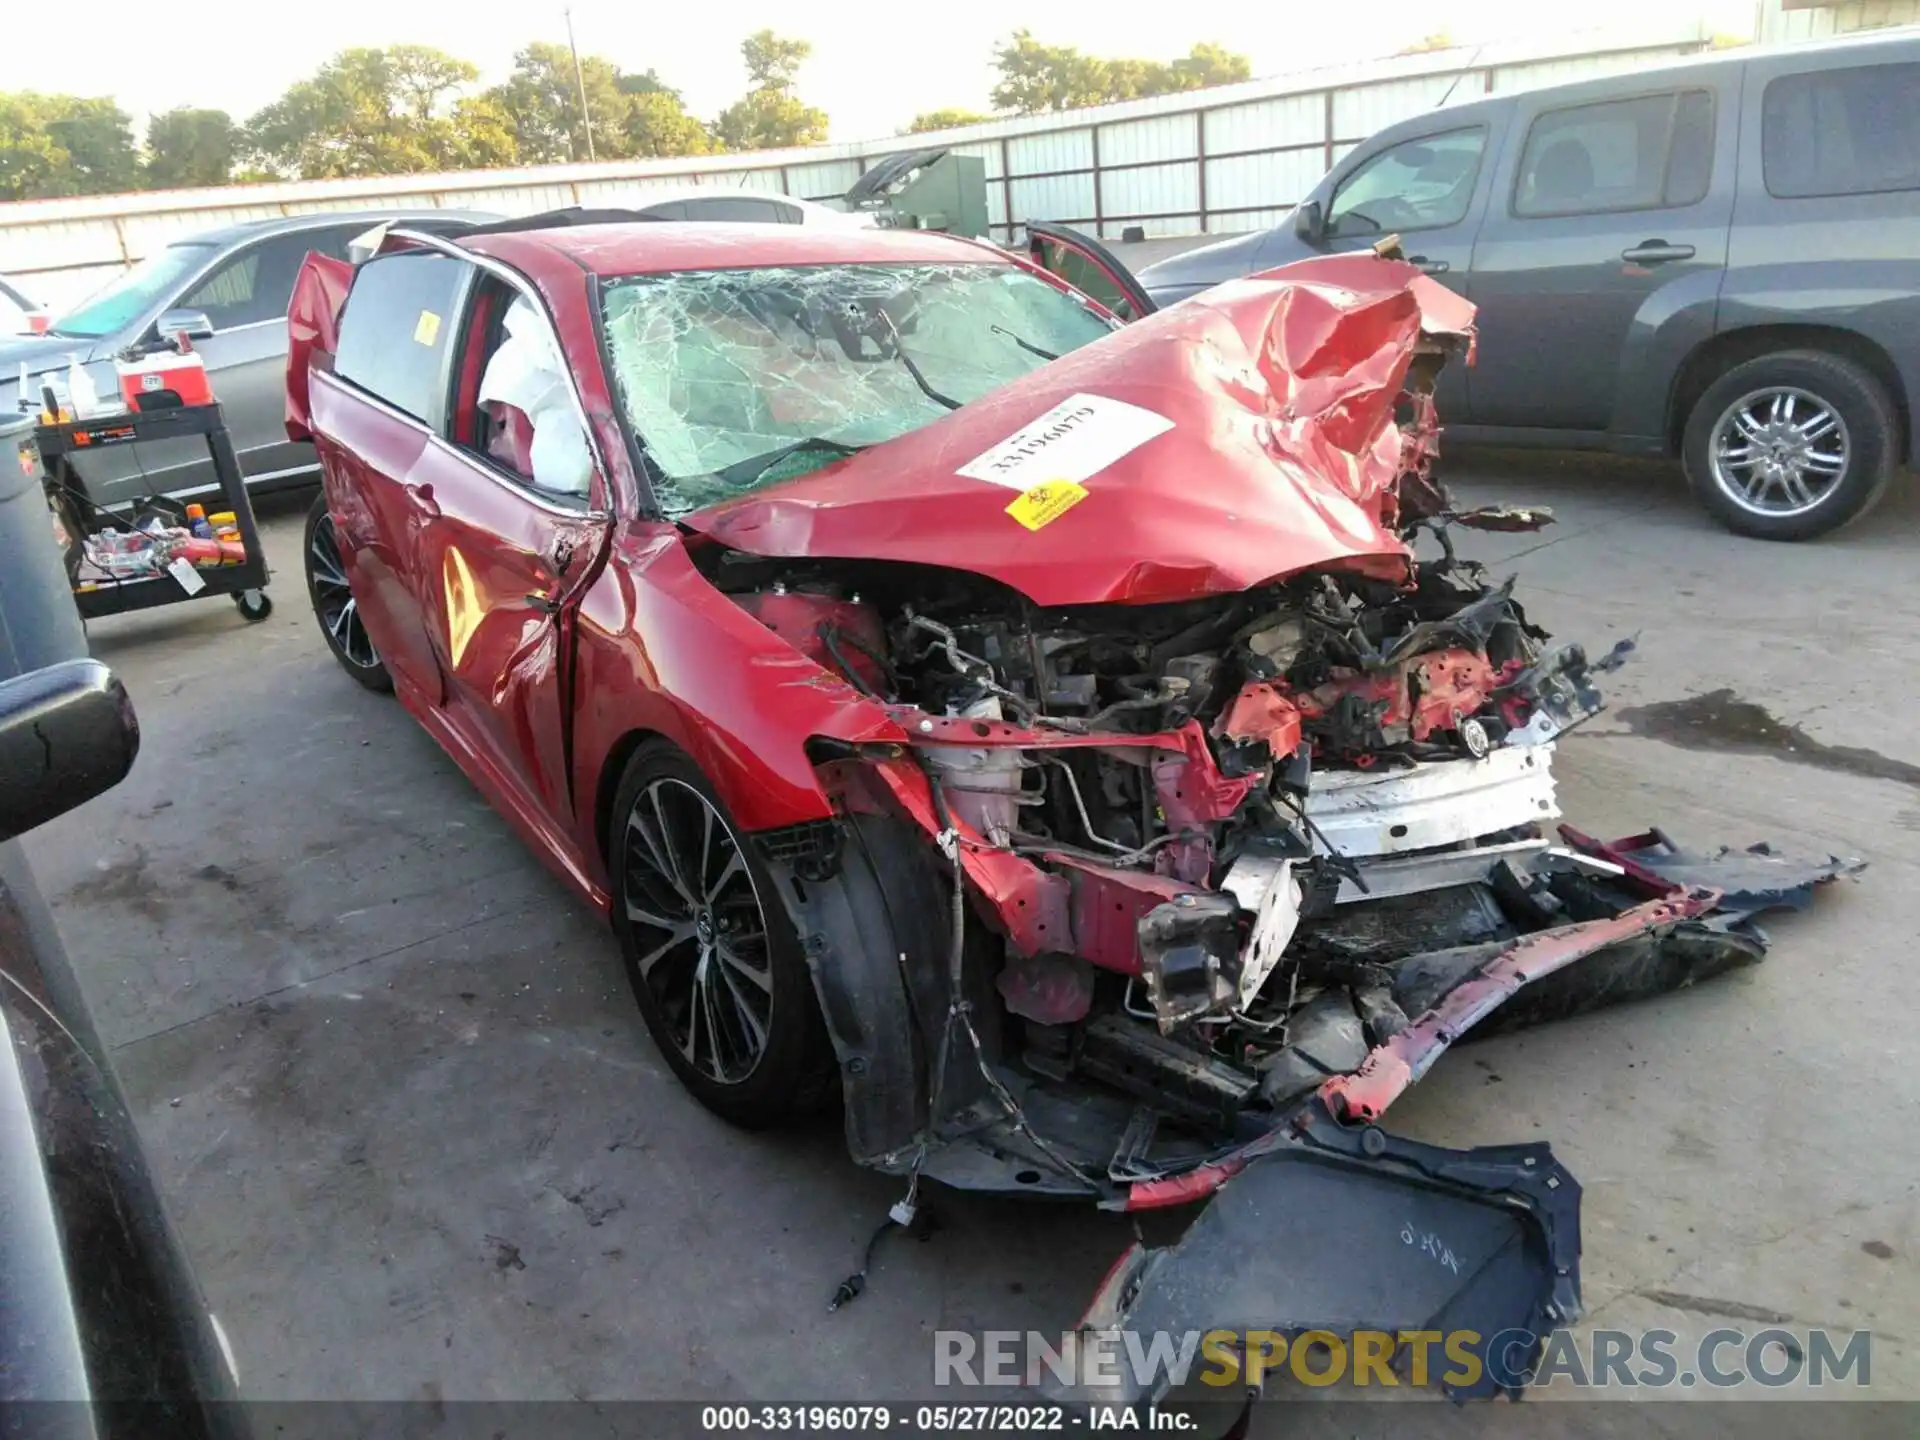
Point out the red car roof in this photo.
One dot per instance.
(648, 247)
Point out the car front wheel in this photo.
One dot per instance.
(1791, 446)
(713, 958)
(333, 603)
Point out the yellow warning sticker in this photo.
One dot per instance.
(1040, 505)
(427, 328)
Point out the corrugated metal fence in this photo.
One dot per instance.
(1228, 159)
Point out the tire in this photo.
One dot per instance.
(1837, 443)
(334, 608)
(673, 936)
(253, 605)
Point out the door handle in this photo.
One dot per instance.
(421, 498)
(1653, 252)
(1430, 267)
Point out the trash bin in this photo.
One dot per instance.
(39, 623)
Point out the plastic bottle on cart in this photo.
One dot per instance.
(81, 394)
(197, 522)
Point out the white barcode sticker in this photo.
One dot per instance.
(182, 570)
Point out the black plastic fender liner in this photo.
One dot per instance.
(1343, 1229)
(876, 936)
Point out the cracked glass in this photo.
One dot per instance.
(736, 379)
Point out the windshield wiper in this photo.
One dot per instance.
(749, 470)
(1026, 345)
(900, 353)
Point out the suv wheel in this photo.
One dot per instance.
(1791, 446)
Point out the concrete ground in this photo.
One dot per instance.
(420, 1146)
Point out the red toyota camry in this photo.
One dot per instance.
(1031, 732)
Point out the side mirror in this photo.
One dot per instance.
(67, 734)
(1309, 221)
(191, 323)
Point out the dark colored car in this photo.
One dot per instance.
(227, 289)
(1719, 260)
(103, 1331)
(1034, 730)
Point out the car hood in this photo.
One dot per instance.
(40, 352)
(1206, 265)
(1243, 436)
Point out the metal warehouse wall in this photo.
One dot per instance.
(1223, 160)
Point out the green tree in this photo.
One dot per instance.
(774, 60)
(54, 145)
(31, 162)
(188, 148)
(655, 124)
(483, 135)
(1035, 77)
(631, 114)
(542, 96)
(98, 139)
(648, 83)
(947, 119)
(1207, 65)
(367, 112)
(770, 116)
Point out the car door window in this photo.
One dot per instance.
(252, 285)
(1420, 184)
(1648, 153)
(396, 331)
(1842, 132)
(515, 407)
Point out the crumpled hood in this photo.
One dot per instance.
(1242, 436)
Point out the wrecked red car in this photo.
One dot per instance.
(1039, 734)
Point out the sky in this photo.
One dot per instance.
(870, 75)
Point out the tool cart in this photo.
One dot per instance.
(160, 552)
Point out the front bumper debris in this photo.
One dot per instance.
(1345, 1230)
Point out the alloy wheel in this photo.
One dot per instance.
(333, 598)
(699, 930)
(1779, 451)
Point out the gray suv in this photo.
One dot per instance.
(1720, 259)
(229, 290)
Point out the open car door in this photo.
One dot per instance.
(1087, 265)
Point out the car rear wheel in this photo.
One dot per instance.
(1791, 446)
(333, 603)
(715, 963)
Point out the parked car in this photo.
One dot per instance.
(709, 203)
(227, 289)
(104, 1326)
(1718, 259)
(972, 707)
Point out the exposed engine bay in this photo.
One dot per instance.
(1150, 900)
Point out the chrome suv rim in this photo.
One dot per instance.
(333, 599)
(1779, 451)
(700, 931)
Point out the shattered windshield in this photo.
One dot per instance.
(736, 379)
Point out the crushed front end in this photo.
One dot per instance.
(1148, 901)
